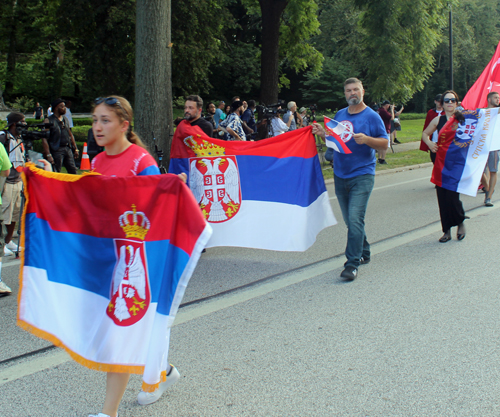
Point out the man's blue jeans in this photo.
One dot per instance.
(353, 194)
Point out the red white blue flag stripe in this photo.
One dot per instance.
(463, 150)
(333, 138)
(268, 194)
(105, 266)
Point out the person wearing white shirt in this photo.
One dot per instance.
(278, 126)
(68, 114)
(289, 116)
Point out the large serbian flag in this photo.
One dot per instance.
(463, 150)
(105, 266)
(487, 82)
(333, 138)
(268, 194)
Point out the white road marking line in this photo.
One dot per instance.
(30, 367)
(191, 313)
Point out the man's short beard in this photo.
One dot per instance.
(188, 116)
(354, 101)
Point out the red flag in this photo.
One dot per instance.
(487, 82)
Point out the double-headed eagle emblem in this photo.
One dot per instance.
(214, 180)
(130, 293)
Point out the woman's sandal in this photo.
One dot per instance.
(445, 238)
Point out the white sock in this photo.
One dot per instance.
(0, 269)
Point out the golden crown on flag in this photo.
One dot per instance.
(205, 148)
(129, 223)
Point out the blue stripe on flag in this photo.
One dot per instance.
(94, 260)
(291, 180)
(454, 165)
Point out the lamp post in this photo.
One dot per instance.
(451, 49)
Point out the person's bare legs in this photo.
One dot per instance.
(484, 180)
(10, 231)
(116, 384)
(493, 182)
(381, 154)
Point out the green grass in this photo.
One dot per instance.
(411, 130)
(394, 160)
(403, 159)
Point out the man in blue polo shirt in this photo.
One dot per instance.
(355, 172)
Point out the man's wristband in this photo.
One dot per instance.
(48, 155)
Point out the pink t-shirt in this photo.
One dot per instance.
(132, 161)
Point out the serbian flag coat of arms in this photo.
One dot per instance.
(463, 149)
(268, 194)
(105, 266)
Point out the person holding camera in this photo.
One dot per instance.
(11, 194)
(248, 118)
(60, 149)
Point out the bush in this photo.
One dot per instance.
(22, 104)
(82, 121)
(80, 133)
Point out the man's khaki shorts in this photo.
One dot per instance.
(11, 202)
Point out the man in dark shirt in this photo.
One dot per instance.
(38, 114)
(386, 112)
(61, 145)
(210, 117)
(192, 113)
(248, 118)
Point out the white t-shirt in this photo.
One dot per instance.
(278, 126)
(69, 116)
(434, 137)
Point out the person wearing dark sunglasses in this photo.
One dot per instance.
(451, 209)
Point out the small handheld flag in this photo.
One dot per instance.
(333, 132)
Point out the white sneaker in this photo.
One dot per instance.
(100, 415)
(7, 251)
(12, 246)
(4, 289)
(145, 398)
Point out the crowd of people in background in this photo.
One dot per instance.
(242, 120)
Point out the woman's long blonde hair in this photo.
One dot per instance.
(124, 111)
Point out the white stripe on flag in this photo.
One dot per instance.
(274, 226)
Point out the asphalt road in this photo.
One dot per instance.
(415, 334)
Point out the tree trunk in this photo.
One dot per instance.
(59, 72)
(153, 76)
(3, 107)
(272, 10)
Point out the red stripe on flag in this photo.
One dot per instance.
(445, 138)
(297, 143)
(92, 205)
